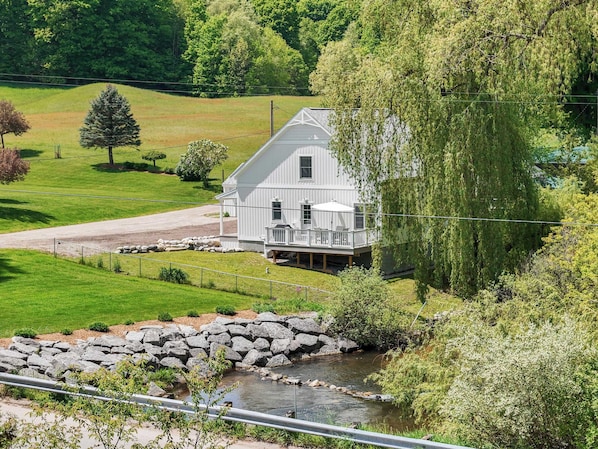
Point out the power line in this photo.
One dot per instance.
(298, 209)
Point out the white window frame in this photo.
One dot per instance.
(276, 210)
(306, 207)
(359, 216)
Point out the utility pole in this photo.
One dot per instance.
(272, 117)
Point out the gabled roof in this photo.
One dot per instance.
(317, 117)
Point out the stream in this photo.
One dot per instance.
(319, 404)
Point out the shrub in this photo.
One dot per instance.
(261, 307)
(98, 326)
(66, 331)
(153, 156)
(129, 322)
(362, 311)
(26, 333)
(199, 160)
(164, 316)
(174, 275)
(192, 313)
(225, 310)
(100, 263)
(116, 266)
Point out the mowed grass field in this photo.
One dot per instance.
(49, 295)
(79, 187)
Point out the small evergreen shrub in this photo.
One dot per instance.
(174, 275)
(129, 322)
(98, 326)
(116, 267)
(100, 263)
(261, 307)
(164, 316)
(209, 284)
(66, 331)
(192, 313)
(26, 333)
(225, 310)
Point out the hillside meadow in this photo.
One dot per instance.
(80, 187)
(49, 295)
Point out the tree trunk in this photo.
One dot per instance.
(2, 138)
(110, 158)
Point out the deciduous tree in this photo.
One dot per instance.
(12, 167)
(459, 83)
(199, 160)
(11, 120)
(109, 123)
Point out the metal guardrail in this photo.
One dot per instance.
(239, 415)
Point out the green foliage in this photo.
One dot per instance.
(199, 160)
(66, 331)
(174, 275)
(525, 390)
(470, 127)
(109, 123)
(362, 311)
(98, 326)
(129, 322)
(116, 267)
(226, 309)
(25, 332)
(153, 156)
(164, 316)
(139, 166)
(192, 313)
(261, 307)
(136, 40)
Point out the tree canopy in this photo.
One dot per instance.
(11, 121)
(12, 167)
(199, 160)
(437, 104)
(109, 123)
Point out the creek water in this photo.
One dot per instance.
(319, 404)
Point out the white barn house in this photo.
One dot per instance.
(293, 196)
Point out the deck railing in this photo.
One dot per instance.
(320, 238)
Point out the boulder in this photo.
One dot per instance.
(281, 346)
(172, 362)
(256, 358)
(241, 345)
(346, 345)
(221, 339)
(229, 354)
(307, 342)
(269, 317)
(198, 341)
(213, 328)
(257, 331)
(135, 336)
(153, 337)
(304, 326)
(238, 330)
(261, 344)
(276, 330)
(278, 360)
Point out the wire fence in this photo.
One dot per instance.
(145, 266)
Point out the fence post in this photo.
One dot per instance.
(54, 247)
(140, 267)
(201, 278)
(82, 259)
(236, 283)
(306, 289)
(110, 261)
(271, 290)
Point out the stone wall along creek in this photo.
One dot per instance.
(266, 342)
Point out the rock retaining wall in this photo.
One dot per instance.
(268, 341)
(208, 243)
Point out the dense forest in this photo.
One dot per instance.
(209, 48)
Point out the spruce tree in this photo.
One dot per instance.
(109, 123)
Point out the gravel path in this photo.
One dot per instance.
(107, 235)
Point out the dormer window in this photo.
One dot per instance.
(305, 171)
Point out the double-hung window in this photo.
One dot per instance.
(359, 216)
(276, 210)
(306, 214)
(305, 167)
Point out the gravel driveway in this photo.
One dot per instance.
(107, 235)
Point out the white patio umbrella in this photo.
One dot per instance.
(332, 206)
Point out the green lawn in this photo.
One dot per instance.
(79, 187)
(48, 295)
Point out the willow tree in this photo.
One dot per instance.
(436, 107)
